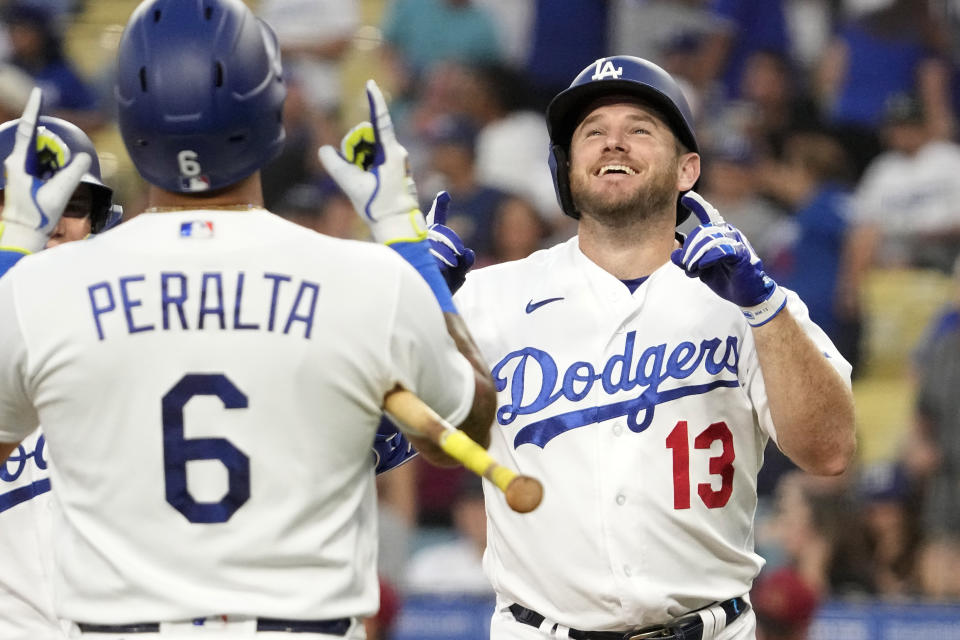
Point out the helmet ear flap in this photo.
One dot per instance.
(560, 170)
(101, 208)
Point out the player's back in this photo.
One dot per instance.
(233, 473)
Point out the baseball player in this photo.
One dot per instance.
(226, 488)
(640, 379)
(26, 598)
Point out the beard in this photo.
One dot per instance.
(616, 207)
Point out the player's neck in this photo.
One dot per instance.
(246, 194)
(627, 252)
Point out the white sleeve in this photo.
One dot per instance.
(424, 355)
(18, 417)
(753, 380)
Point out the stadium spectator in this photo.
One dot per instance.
(821, 536)
(436, 490)
(321, 207)
(380, 626)
(647, 29)
(514, 20)
(901, 38)
(518, 231)
(512, 140)
(37, 47)
(775, 94)
(906, 208)
(810, 25)
(785, 605)
(452, 156)
(745, 28)
(813, 179)
(15, 86)
(890, 516)
(418, 34)
(564, 36)
(314, 37)
(297, 162)
(454, 566)
(944, 321)
(397, 505)
(933, 457)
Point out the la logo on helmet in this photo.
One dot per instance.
(605, 69)
(52, 152)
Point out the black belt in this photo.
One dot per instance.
(337, 627)
(689, 627)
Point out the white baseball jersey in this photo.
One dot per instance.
(26, 598)
(645, 417)
(210, 383)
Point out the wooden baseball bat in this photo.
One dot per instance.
(523, 492)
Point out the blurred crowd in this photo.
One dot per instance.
(829, 136)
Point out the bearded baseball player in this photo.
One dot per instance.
(640, 379)
(77, 210)
(226, 489)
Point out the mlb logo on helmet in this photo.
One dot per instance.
(194, 183)
(192, 177)
(196, 229)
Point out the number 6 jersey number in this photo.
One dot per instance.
(178, 450)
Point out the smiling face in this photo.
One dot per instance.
(626, 164)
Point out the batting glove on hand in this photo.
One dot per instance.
(718, 254)
(33, 204)
(372, 169)
(390, 447)
(453, 258)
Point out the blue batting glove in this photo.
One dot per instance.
(390, 447)
(718, 254)
(453, 258)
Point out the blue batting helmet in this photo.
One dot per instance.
(626, 75)
(200, 93)
(57, 142)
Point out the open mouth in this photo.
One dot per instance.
(616, 169)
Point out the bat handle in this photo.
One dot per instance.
(459, 446)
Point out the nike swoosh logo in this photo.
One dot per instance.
(533, 306)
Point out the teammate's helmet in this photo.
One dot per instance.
(200, 93)
(626, 75)
(57, 141)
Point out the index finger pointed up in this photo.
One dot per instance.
(438, 212)
(705, 212)
(26, 135)
(380, 116)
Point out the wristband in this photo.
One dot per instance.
(9, 257)
(17, 237)
(764, 312)
(418, 254)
